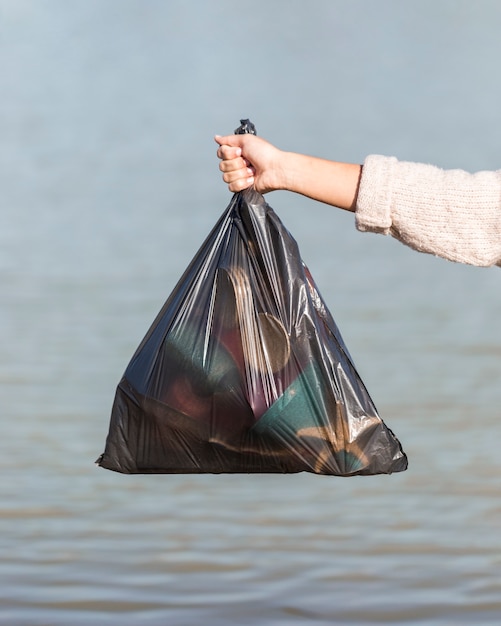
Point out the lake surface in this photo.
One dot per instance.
(109, 184)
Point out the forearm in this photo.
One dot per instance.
(322, 180)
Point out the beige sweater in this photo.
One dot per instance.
(448, 213)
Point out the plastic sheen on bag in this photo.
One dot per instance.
(244, 369)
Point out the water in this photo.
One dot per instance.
(108, 185)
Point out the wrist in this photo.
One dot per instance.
(290, 172)
(277, 174)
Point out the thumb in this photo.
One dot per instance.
(229, 140)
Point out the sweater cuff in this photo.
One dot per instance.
(373, 208)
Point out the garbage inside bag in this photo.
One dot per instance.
(244, 369)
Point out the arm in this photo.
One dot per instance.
(249, 160)
(448, 213)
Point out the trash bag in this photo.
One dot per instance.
(244, 369)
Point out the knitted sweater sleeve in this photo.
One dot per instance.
(448, 213)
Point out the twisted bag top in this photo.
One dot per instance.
(244, 369)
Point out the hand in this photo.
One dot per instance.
(247, 160)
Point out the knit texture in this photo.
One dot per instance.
(449, 213)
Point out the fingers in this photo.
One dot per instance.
(237, 175)
(240, 184)
(240, 174)
(237, 172)
(236, 163)
(228, 152)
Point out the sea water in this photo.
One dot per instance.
(108, 185)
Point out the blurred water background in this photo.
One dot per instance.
(109, 184)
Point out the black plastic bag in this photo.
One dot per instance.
(244, 369)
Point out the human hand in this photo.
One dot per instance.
(247, 160)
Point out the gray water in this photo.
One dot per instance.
(109, 184)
